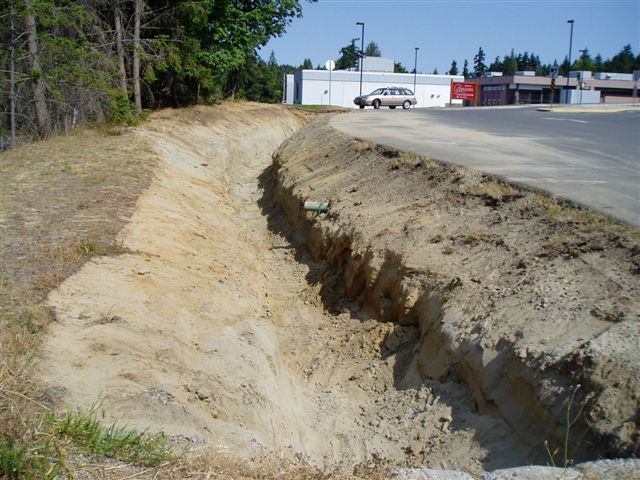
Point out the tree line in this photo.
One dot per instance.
(66, 62)
(622, 62)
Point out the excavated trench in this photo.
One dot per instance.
(241, 321)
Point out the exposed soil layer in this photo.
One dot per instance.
(532, 304)
(432, 318)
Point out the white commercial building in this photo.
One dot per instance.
(340, 87)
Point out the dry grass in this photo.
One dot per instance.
(210, 464)
(62, 201)
(587, 221)
(362, 146)
(497, 189)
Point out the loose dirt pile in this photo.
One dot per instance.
(441, 320)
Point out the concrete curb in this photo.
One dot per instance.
(622, 468)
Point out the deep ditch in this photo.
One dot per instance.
(386, 341)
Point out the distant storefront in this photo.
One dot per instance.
(525, 88)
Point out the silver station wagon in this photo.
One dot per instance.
(391, 97)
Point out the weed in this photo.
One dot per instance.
(431, 164)
(88, 436)
(61, 437)
(410, 157)
(496, 189)
(13, 462)
(551, 206)
(570, 422)
(365, 146)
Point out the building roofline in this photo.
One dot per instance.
(560, 81)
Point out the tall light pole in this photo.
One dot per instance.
(566, 99)
(361, 54)
(415, 70)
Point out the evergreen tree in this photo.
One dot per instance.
(496, 65)
(435, 71)
(306, 64)
(510, 64)
(453, 70)
(398, 68)
(372, 50)
(349, 56)
(622, 62)
(597, 63)
(479, 67)
(564, 67)
(465, 69)
(584, 62)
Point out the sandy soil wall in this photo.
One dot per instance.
(534, 306)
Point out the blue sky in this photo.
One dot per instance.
(454, 29)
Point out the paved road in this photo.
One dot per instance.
(590, 157)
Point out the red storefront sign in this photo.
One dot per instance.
(463, 90)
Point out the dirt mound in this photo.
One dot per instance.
(532, 304)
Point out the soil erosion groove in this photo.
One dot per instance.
(322, 337)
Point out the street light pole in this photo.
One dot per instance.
(415, 70)
(361, 54)
(566, 99)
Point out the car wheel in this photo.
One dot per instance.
(392, 107)
(406, 105)
(376, 104)
(361, 107)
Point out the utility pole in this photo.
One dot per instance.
(566, 98)
(415, 70)
(361, 53)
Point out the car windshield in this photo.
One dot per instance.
(377, 91)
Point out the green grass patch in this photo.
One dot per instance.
(60, 437)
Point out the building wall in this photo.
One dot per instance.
(289, 88)
(377, 64)
(580, 96)
(522, 89)
(311, 87)
(616, 98)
